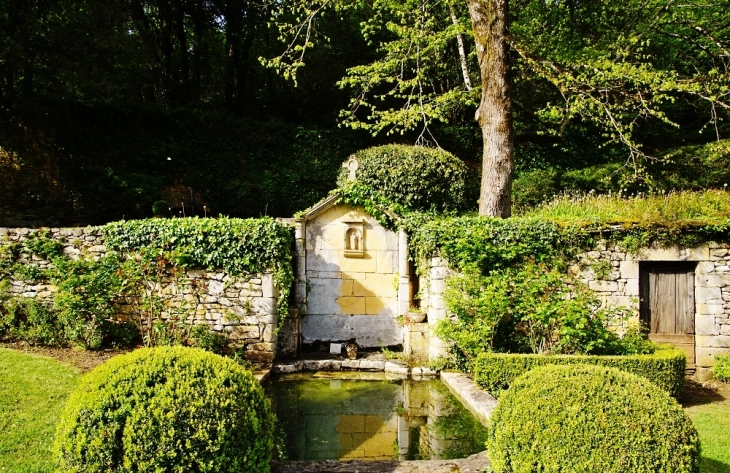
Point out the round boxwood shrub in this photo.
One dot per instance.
(417, 177)
(582, 418)
(166, 409)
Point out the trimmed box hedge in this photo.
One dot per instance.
(590, 419)
(665, 367)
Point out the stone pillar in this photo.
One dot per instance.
(436, 306)
(404, 278)
(300, 263)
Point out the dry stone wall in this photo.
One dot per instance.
(244, 308)
(615, 275)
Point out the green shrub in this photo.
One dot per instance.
(161, 208)
(166, 409)
(590, 419)
(665, 367)
(86, 296)
(529, 309)
(29, 320)
(416, 177)
(721, 370)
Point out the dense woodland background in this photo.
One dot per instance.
(109, 106)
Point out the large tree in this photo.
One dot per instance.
(621, 65)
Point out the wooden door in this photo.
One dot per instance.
(667, 305)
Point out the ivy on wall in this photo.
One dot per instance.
(142, 253)
(237, 246)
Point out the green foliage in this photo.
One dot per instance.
(532, 308)
(590, 419)
(86, 297)
(664, 367)
(415, 177)
(208, 340)
(602, 269)
(235, 245)
(28, 320)
(161, 207)
(485, 244)
(721, 370)
(166, 409)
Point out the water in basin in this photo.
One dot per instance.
(330, 416)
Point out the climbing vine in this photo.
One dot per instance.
(238, 246)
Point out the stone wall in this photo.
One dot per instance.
(351, 282)
(614, 275)
(243, 308)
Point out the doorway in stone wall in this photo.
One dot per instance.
(667, 303)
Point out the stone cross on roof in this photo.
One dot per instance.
(352, 165)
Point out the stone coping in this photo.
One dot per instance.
(473, 464)
(479, 402)
(397, 368)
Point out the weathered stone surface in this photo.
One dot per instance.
(603, 286)
(397, 367)
(473, 464)
(368, 330)
(478, 401)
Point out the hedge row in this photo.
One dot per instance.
(665, 367)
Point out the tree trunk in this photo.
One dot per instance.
(494, 115)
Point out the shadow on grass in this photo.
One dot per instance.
(697, 394)
(708, 465)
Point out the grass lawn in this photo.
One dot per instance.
(33, 390)
(710, 413)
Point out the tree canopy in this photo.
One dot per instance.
(580, 84)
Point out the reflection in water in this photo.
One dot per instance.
(329, 417)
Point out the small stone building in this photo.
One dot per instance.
(352, 276)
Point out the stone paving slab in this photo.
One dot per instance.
(473, 464)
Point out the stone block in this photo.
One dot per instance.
(629, 269)
(701, 253)
(263, 306)
(216, 287)
(269, 333)
(710, 309)
(349, 305)
(712, 341)
(239, 332)
(287, 367)
(381, 306)
(434, 315)
(351, 364)
(268, 287)
(387, 262)
(321, 365)
(437, 286)
(372, 365)
(706, 325)
(397, 367)
(712, 280)
(262, 346)
(368, 330)
(704, 267)
(438, 272)
(603, 286)
(631, 288)
(704, 294)
(259, 356)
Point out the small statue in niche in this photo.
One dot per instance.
(353, 240)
